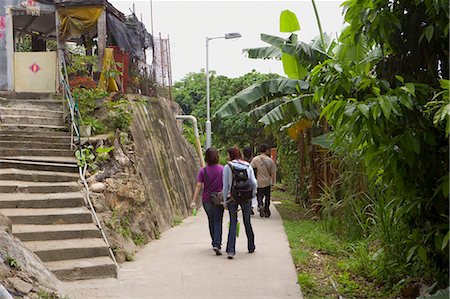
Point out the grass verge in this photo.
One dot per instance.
(327, 265)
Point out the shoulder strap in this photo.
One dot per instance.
(206, 174)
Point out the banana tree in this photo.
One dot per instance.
(286, 102)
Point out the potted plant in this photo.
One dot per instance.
(89, 125)
(85, 130)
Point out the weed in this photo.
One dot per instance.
(12, 262)
(120, 224)
(177, 220)
(306, 281)
(42, 294)
(346, 284)
(139, 239)
(129, 256)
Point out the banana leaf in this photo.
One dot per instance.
(274, 88)
(286, 111)
(262, 110)
(322, 140)
(288, 21)
(273, 40)
(263, 53)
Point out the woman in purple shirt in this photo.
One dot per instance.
(210, 177)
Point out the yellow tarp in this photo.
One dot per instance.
(107, 81)
(76, 21)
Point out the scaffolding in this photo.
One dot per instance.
(162, 67)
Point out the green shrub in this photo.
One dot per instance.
(87, 100)
(119, 115)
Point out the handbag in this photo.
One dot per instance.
(216, 197)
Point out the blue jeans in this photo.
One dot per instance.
(246, 211)
(215, 219)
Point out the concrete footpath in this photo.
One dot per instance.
(181, 264)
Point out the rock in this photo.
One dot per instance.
(97, 187)
(119, 155)
(21, 285)
(99, 202)
(111, 199)
(5, 223)
(29, 264)
(110, 170)
(120, 256)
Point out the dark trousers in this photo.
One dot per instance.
(215, 219)
(263, 193)
(246, 211)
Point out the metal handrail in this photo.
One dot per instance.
(82, 169)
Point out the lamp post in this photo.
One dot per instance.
(208, 121)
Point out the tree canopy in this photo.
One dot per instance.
(190, 94)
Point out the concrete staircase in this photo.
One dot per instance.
(39, 190)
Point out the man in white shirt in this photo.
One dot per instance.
(265, 169)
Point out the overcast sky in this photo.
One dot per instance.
(188, 23)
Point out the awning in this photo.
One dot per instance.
(76, 21)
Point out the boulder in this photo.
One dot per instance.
(27, 263)
(99, 202)
(5, 223)
(97, 187)
(20, 285)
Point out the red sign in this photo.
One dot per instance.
(27, 3)
(35, 68)
(2, 22)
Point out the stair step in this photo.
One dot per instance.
(33, 145)
(37, 176)
(37, 187)
(31, 120)
(43, 104)
(43, 159)
(30, 137)
(31, 112)
(41, 201)
(26, 232)
(69, 249)
(92, 268)
(27, 95)
(48, 216)
(5, 152)
(25, 132)
(32, 128)
(39, 165)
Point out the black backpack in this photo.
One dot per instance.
(241, 186)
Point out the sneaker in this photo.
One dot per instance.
(261, 211)
(252, 212)
(230, 255)
(267, 213)
(251, 251)
(217, 251)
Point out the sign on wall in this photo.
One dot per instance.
(35, 71)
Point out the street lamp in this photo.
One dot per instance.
(231, 35)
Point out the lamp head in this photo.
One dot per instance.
(232, 35)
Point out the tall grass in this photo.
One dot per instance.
(375, 218)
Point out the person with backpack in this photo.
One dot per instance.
(248, 156)
(239, 186)
(210, 177)
(265, 169)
